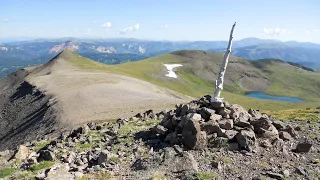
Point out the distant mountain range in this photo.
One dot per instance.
(14, 55)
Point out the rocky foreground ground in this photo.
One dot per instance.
(197, 140)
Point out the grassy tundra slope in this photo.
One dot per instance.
(200, 69)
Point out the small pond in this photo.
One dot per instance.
(262, 95)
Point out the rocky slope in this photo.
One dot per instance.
(57, 95)
(197, 140)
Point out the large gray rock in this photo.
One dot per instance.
(243, 123)
(279, 125)
(59, 172)
(230, 134)
(103, 157)
(186, 162)
(192, 137)
(224, 112)
(226, 124)
(265, 129)
(285, 136)
(246, 140)
(238, 112)
(22, 153)
(291, 131)
(211, 127)
(255, 113)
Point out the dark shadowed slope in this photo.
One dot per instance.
(25, 112)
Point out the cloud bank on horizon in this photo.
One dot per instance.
(161, 20)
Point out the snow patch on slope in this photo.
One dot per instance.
(170, 68)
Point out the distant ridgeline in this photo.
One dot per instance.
(15, 55)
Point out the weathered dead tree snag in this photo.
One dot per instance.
(219, 81)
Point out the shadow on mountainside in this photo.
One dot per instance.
(25, 113)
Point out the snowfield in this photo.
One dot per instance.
(170, 68)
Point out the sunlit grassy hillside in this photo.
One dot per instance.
(198, 71)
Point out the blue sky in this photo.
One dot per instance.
(161, 19)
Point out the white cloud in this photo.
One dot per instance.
(135, 27)
(107, 25)
(275, 32)
(4, 20)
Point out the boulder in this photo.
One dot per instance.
(246, 139)
(226, 124)
(211, 127)
(243, 123)
(285, 136)
(303, 147)
(206, 113)
(230, 134)
(291, 131)
(255, 113)
(215, 117)
(22, 153)
(238, 112)
(265, 129)
(217, 105)
(45, 155)
(224, 112)
(103, 157)
(279, 125)
(186, 162)
(167, 120)
(191, 131)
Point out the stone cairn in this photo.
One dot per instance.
(202, 123)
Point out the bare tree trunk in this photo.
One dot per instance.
(219, 81)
